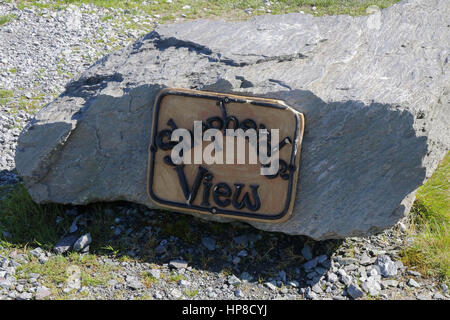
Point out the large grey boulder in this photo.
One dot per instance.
(374, 91)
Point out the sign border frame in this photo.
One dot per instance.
(215, 210)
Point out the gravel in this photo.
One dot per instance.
(178, 264)
(82, 242)
(64, 244)
(386, 266)
(42, 293)
(41, 51)
(306, 252)
(413, 283)
(155, 273)
(354, 291)
(233, 280)
(209, 243)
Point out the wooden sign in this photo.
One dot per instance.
(227, 188)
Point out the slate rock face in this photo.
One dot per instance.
(374, 91)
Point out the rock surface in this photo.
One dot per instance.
(374, 91)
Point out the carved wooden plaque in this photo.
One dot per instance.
(238, 190)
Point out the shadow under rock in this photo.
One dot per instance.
(8, 177)
(128, 231)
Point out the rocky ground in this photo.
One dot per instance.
(125, 251)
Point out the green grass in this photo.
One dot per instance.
(175, 277)
(54, 273)
(6, 93)
(148, 280)
(232, 9)
(430, 250)
(190, 293)
(29, 105)
(7, 18)
(28, 222)
(54, 270)
(31, 224)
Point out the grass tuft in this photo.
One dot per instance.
(7, 18)
(29, 223)
(6, 93)
(227, 9)
(191, 293)
(148, 279)
(430, 215)
(54, 272)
